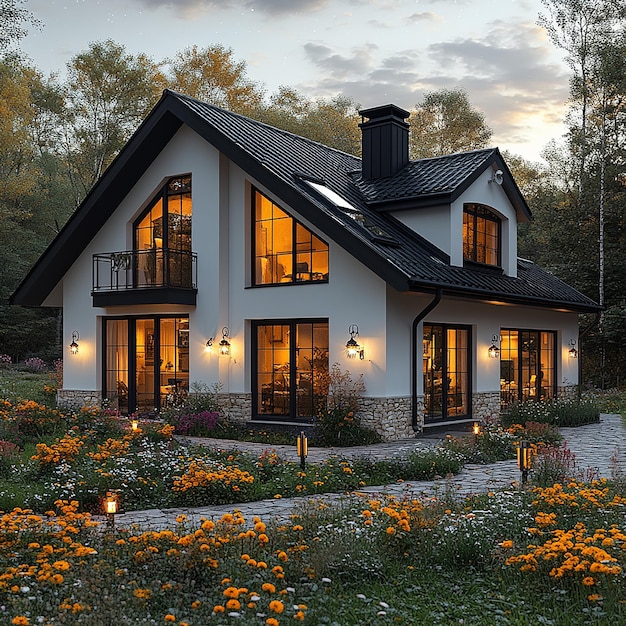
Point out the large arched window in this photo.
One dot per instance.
(481, 235)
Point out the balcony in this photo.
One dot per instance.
(157, 276)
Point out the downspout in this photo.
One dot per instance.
(414, 352)
(580, 350)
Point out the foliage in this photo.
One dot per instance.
(552, 555)
(338, 424)
(35, 364)
(445, 122)
(556, 412)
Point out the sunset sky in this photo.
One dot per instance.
(375, 51)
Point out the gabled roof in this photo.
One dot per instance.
(284, 164)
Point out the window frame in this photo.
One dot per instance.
(476, 211)
(293, 323)
(294, 253)
(447, 416)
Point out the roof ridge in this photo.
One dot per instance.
(282, 131)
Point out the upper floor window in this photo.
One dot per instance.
(481, 235)
(284, 250)
(162, 236)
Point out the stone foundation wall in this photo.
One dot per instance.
(76, 399)
(389, 417)
(237, 407)
(486, 406)
(569, 392)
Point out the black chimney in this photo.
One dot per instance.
(385, 141)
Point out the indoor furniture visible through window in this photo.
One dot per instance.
(285, 251)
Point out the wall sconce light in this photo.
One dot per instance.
(225, 344)
(110, 508)
(209, 345)
(524, 459)
(74, 344)
(302, 448)
(494, 351)
(352, 346)
(573, 353)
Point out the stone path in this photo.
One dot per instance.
(599, 447)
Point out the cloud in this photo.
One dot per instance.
(426, 16)
(510, 73)
(190, 9)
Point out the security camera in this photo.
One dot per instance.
(498, 177)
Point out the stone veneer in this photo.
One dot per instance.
(76, 399)
(486, 406)
(237, 407)
(570, 392)
(389, 417)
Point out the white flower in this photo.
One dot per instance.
(384, 605)
(24, 589)
(361, 596)
(326, 580)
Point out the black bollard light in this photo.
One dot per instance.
(524, 459)
(302, 448)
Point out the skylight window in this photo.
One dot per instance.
(362, 220)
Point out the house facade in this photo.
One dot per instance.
(216, 249)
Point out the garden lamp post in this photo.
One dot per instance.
(302, 447)
(524, 458)
(110, 508)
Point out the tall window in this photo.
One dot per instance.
(146, 362)
(163, 237)
(481, 235)
(291, 377)
(527, 365)
(284, 250)
(445, 356)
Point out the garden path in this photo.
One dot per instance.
(600, 447)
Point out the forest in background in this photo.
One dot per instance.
(58, 136)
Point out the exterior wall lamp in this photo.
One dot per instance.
(224, 344)
(209, 345)
(74, 344)
(352, 346)
(572, 352)
(494, 351)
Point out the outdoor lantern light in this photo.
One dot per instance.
(209, 345)
(302, 447)
(476, 429)
(573, 353)
(524, 459)
(225, 344)
(134, 424)
(74, 344)
(494, 351)
(352, 346)
(110, 508)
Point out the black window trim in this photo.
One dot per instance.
(493, 217)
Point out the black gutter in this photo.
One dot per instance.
(414, 352)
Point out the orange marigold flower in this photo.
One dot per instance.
(170, 618)
(506, 544)
(20, 620)
(218, 608)
(233, 605)
(271, 621)
(268, 587)
(277, 606)
(588, 581)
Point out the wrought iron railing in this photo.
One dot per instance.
(144, 269)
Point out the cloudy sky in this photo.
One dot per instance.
(376, 51)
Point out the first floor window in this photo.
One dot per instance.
(527, 365)
(146, 362)
(446, 351)
(290, 378)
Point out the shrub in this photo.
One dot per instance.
(196, 424)
(9, 454)
(5, 360)
(556, 412)
(35, 364)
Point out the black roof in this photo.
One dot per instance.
(285, 164)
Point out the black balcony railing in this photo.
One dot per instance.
(144, 269)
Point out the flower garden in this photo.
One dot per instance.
(549, 554)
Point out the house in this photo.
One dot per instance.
(219, 249)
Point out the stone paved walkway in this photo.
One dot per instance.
(600, 447)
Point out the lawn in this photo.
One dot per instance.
(550, 554)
